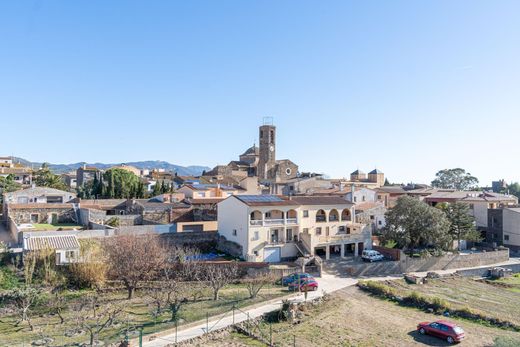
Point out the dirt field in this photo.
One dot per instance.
(354, 318)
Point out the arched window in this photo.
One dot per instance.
(345, 214)
(333, 215)
(321, 216)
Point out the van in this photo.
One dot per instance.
(370, 255)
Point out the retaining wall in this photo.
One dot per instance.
(446, 262)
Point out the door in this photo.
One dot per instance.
(272, 254)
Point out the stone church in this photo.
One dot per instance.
(260, 161)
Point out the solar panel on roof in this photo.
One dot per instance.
(260, 198)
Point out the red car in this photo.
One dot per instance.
(443, 329)
(304, 285)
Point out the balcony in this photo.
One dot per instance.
(321, 219)
(271, 222)
(268, 222)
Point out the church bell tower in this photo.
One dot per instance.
(267, 149)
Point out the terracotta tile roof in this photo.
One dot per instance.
(321, 200)
(367, 206)
(206, 201)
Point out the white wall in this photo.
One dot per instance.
(233, 215)
(511, 226)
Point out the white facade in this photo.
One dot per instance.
(511, 227)
(361, 195)
(287, 230)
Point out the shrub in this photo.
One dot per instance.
(505, 341)
(8, 279)
(377, 288)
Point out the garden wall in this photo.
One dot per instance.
(446, 262)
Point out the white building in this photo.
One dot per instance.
(65, 246)
(274, 228)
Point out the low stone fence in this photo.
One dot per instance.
(484, 271)
(446, 262)
(389, 253)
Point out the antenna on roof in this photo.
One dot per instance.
(268, 121)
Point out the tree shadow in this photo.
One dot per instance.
(427, 339)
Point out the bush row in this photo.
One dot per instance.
(432, 304)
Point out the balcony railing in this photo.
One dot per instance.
(321, 219)
(269, 222)
(273, 222)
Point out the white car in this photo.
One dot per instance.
(370, 255)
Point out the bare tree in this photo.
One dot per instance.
(58, 304)
(218, 275)
(22, 300)
(256, 281)
(183, 266)
(133, 259)
(95, 316)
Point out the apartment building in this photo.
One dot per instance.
(274, 228)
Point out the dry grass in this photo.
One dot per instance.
(354, 318)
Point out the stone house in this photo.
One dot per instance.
(39, 205)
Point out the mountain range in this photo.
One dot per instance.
(192, 170)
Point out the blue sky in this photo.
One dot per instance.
(408, 86)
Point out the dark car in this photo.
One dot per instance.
(293, 277)
(442, 329)
(304, 285)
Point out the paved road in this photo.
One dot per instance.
(327, 283)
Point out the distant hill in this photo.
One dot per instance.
(193, 170)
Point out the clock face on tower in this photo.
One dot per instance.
(271, 148)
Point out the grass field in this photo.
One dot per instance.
(137, 314)
(352, 317)
(460, 292)
(511, 283)
(63, 226)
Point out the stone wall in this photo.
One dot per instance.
(229, 247)
(484, 272)
(446, 262)
(65, 214)
(454, 261)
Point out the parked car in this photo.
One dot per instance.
(445, 330)
(304, 285)
(370, 255)
(293, 277)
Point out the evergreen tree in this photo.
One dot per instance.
(156, 189)
(462, 223)
(111, 187)
(164, 189)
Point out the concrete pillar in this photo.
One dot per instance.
(356, 249)
(342, 250)
(327, 252)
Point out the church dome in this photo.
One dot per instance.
(252, 151)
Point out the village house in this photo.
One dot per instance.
(208, 191)
(86, 174)
(6, 162)
(65, 246)
(504, 227)
(39, 205)
(479, 202)
(274, 228)
(21, 175)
